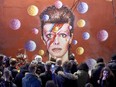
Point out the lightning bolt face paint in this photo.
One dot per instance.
(57, 38)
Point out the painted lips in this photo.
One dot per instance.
(56, 49)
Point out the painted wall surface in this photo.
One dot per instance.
(100, 16)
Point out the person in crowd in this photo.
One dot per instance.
(107, 78)
(31, 79)
(21, 74)
(7, 79)
(47, 75)
(88, 85)
(82, 74)
(112, 65)
(73, 62)
(40, 64)
(1, 63)
(1, 79)
(65, 78)
(50, 83)
(57, 31)
(12, 67)
(58, 65)
(95, 73)
(6, 61)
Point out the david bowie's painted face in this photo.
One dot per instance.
(57, 38)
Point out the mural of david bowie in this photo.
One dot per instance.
(57, 31)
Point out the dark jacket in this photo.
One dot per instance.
(66, 80)
(31, 80)
(4, 83)
(46, 76)
(14, 71)
(112, 66)
(83, 78)
(110, 82)
(95, 74)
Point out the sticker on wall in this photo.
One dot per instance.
(82, 7)
(80, 50)
(15, 24)
(81, 23)
(32, 10)
(102, 35)
(30, 45)
(41, 52)
(75, 42)
(35, 30)
(58, 4)
(86, 35)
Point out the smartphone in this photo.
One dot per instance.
(52, 68)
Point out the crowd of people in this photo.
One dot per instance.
(56, 73)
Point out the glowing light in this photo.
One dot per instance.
(30, 45)
(82, 7)
(81, 23)
(102, 35)
(70, 27)
(80, 50)
(32, 10)
(75, 42)
(41, 52)
(86, 35)
(45, 17)
(91, 63)
(35, 30)
(15, 24)
(56, 29)
(58, 4)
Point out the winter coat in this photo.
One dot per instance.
(7, 84)
(83, 77)
(31, 80)
(95, 74)
(65, 79)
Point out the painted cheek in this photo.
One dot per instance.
(67, 38)
(49, 41)
(52, 40)
(48, 44)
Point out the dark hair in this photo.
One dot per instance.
(83, 66)
(110, 73)
(61, 15)
(114, 57)
(50, 83)
(88, 85)
(67, 65)
(72, 57)
(32, 67)
(48, 65)
(100, 60)
(13, 61)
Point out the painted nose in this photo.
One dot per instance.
(56, 40)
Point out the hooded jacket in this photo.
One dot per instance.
(65, 79)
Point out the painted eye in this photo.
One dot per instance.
(63, 35)
(49, 35)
